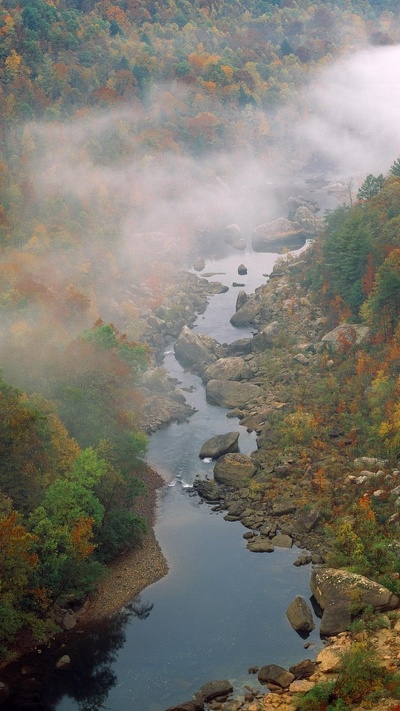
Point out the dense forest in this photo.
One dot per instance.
(99, 103)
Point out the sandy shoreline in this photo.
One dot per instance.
(134, 571)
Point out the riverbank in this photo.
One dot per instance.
(132, 572)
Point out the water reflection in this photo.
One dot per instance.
(88, 680)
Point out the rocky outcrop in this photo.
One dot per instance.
(279, 233)
(219, 445)
(242, 270)
(338, 591)
(234, 469)
(190, 351)
(230, 393)
(233, 368)
(300, 616)
(246, 313)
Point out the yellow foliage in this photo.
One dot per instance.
(12, 62)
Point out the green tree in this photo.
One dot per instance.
(395, 168)
(383, 306)
(371, 186)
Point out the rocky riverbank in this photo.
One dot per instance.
(130, 573)
(281, 491)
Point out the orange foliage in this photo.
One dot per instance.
(365, 507)
(81, 534)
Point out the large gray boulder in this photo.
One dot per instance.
(242, 346)
(209, 490)
(294, 203)
(279, 233)
(266, 337)
(195, 705)
(309, 222)
(260, 545)
(232, 233)
(273, 674)
(230, 393)
(336, 592)
(246, 313)
(190, 351)
(233, 368)
(199, 264)
(242, 297)
(234, 469)
(300, 616)
(219, 445)
(348, 334)
(214, 689)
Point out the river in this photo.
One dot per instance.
(220, 609)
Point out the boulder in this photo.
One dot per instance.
(303, 669)
(246, 313)
(347, 334)
(69, 621)
(199, 264)
(241, 299)
(281, 540)
(242, 346)
(260, 545)
(294, 203)
(279, 233)
(372, 463)
(190, 351)
(273, 674)
(300, 616)
(239, 244)
(208, 490)
(232, 233)
(63, 662)
(219, 445)
(232, 368)
(301, 686)
(337, 590)
(266, 337)
(281, 507)
(308, 521)
(230, 393)
(330, 659)
(309, 222)
(196, 704)
(233, 469)
(215, 689)
(242, 270)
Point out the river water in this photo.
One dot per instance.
(220, 609)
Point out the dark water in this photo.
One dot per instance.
(221, 608)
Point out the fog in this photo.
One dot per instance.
(355, 112)
(108, 215)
